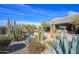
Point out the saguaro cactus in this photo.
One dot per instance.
(16, 32)
(8, 26)
(40, 34)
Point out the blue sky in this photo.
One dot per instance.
(35, 13)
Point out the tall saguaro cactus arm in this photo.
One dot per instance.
(8, 26)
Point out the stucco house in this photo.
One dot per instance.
(70, 23)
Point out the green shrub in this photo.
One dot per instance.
(4, 42)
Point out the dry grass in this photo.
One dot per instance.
(36, 47)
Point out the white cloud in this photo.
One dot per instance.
(72, 12)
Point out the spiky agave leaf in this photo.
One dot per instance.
(66, 44)
(28, 39)
(51, 49)
(61, 42)
(58, 47)
(74, 45)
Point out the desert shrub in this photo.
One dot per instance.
(36, 47)
(5, 42)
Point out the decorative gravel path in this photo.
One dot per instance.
(18, 48)
(21, 48)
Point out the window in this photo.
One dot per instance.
(62, 27)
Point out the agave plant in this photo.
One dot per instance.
(28, 39)
(62, 46)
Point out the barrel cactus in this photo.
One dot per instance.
(63, 46)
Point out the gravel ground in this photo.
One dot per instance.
(18, 48)
(21, 48)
